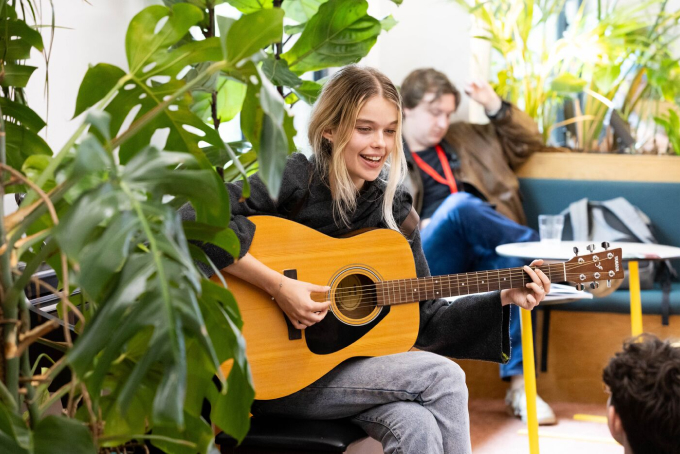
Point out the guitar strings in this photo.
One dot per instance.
(372, 288)
(495, 279)
(395, 283)
(374, 299)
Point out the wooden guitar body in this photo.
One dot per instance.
(357, 324)
(373, 284)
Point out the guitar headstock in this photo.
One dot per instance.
(596, 266)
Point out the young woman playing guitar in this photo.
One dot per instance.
(414, 402)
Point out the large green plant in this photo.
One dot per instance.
(608, 50)
(637, 67)
(151, 331)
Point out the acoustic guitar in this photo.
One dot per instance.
(374, 294)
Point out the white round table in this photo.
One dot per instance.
(631, 252)
(564, 250)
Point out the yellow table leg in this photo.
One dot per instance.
(529, 379)
(635, 301)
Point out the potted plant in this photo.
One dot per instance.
(144, 339)
(611, 58)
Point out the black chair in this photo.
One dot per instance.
(269, 435)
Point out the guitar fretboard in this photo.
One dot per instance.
(419, 289)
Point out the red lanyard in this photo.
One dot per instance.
(425, 167)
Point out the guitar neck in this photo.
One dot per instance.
(419, 289)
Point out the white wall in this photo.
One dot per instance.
(90, 33)
(429, 33)
(87, 33)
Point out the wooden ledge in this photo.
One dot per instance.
(602, 166)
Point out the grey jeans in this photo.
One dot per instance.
(414, 402)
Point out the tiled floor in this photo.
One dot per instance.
(494, 432)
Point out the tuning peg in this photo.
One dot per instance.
(575, 251)
(594, 285)
(605, 245)
(591, 248)
(609, 283)
(580, 287)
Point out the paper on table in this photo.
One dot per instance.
(558, 292)
(561, 291)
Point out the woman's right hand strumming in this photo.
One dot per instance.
(293, 297)
(295, 300)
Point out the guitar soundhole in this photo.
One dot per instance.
(355, 296)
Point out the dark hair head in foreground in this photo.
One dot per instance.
(644, 382)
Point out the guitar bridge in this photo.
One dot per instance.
(293, 332)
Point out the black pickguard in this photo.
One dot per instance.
(331, 335)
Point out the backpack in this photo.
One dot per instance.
(618, 220)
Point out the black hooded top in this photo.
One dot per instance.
(471, 327)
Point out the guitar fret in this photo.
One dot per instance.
(393, 291)
(399, 291)
(401, 295)
(433, 284)
(427, 282)
(383, 293)
(414, 291)
(423, 289)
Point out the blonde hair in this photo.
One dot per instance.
(337, 108)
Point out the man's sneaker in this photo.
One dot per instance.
(516, 403)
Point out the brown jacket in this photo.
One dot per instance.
(489, 155)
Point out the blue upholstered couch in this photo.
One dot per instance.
(660, 201)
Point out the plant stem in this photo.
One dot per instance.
(7, 398)
(56, 159)
(210, 34)
(33, 410)
(8, 368)
(278, 47)
(15, 290)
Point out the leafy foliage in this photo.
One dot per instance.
(334, 39)
(614, 52)
(671, 124)
(153, 335)
(22, 125)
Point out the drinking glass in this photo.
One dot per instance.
(550, 227)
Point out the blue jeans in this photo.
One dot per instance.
(413, 402)
(462, 237)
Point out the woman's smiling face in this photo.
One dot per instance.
(373, 139)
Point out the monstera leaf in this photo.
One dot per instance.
(153, 69)
(301, 10)
(339, 33)
(136, 267)
(268, 126)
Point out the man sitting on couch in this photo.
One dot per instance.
(462, 179)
